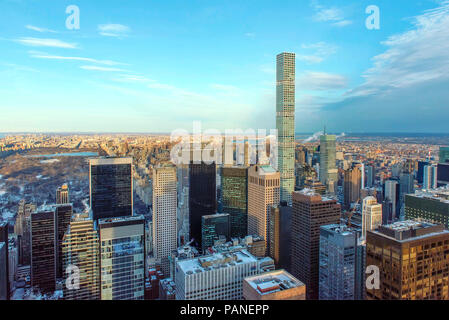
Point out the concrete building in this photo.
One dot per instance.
(4, 263)
(81, 248)
(280, 235)
(328, 164)
(285, 122)
(273, 285)
(4, 294)
(22, 228)
(111, 187)
(371, 215)
(164, 215)
(63, 215)
(214, 277)
(62, 195)
(263, 192)
(122, 258)
(412, 251)
(352, 184)
(429, 205)
(310, 212)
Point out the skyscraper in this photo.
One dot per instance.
(43, 250)
(111, 187)
(392, 194)
(80, 248)
(430, 177)
(328, 165)
(63, 215)
(164, 214)
(263, 193)
(412, 260)
(428, 205)
(280, 223)
(352, 184)
(3, 272)
(443, 155)
(234, 186)
(122, 258)
(310, 212)
(213, 226)
(338, 263)
(22, 228)
(4, 264)
(371, 215)
(285, 122)
(202, 196)
(62, 194)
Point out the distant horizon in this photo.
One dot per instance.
(168, 133)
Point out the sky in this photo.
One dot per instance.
(157, 66)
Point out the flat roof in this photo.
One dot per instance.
(110, 160)
(273, 281)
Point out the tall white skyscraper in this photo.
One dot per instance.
(164, 214)
(371, 215)
(285, 122)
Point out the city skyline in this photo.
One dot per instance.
(67, 80)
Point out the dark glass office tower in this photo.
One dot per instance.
(234, 187)
(63, 214)
(111, 187)
(420, 174)
(202, 196)
(4, 239)
(214, 226)
(43, 250)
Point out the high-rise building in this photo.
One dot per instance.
(202, 196)
(63, 215)
(273, 285)
(111, 187)
(164, 215)
(22, 229)
(285, 122)
(420, 173)
(81, 248)
(328, 165)
(4, 290)
(263, 193)
(370, 175)
(43, 250)
(443, 155)
(412, 260)
(310, 212)
(234, 187)
(430, 177)
(339, 263)
(352, 184)
(443, 174)
(214, 277)
(62, 194)
(4, 263)
(392, 194)
(371, 214)
(212, 227)
(280, 222)
(122, 258)
(430, 205)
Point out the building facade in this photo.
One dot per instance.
(371, 214)
(285, 122)
(328, 164)
(213, 226)
(62, 194)
(280, 235)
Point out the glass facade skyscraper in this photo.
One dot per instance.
(328, 166)
(111, 187)
(234, 186)
(122, 258)
(285, 122)
(214, 226)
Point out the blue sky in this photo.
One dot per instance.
(155, 66)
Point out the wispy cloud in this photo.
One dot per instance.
(250, 34)
(39, 42)
(329, 14)
(316, 52)
(40, 55)
(113, 30)
(38, 29)
(105, 69)
(320, 81)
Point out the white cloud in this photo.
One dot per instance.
(39, 42)
(320, 81)
(250, 34)
(84, 59)
(329, 14)
(113, 30)
(320, 52)
(38, 29)
(105, 69)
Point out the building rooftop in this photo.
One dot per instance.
(440, 194)
(410, 230)
(215, 261)
(273, 281)
(120, 219)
